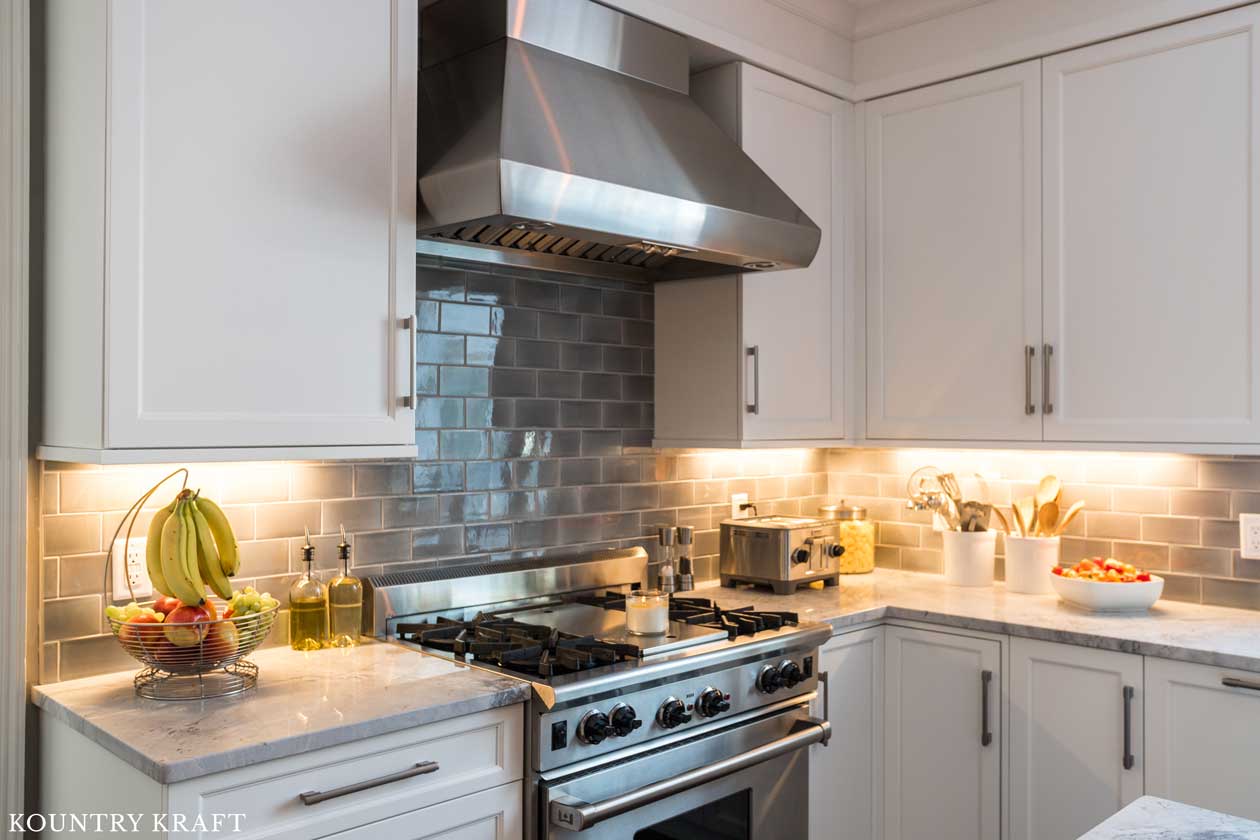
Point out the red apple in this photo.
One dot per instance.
(135, 635)
(222, 641)
(187, 626)
(166, 604)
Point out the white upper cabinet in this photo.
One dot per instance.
(1076, 737)
(1202, 736)
(1152, 290)
(759, 359)
(230, 229)
(953, 259)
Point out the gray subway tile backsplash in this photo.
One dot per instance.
(534, 429)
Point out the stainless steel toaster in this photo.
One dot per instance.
(780, 551)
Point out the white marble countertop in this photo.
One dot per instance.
(1226, 638)
(303, 702)
(1152, 818)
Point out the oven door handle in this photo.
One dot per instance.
(575, 815)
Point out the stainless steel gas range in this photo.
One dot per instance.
(703, 731)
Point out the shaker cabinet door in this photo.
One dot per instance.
(1070, 736)
(260, 221)
(845, 775)
(1152, 286)
(953, 259)
(942, 775)
(797, 319)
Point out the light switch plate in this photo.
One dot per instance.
(1249, 535)
(132, 566)
(738, 499)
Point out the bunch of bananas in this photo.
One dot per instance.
(190, 545)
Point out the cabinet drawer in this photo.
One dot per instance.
(472, 753)
(495, 814)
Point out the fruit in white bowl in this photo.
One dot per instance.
(1107, 585)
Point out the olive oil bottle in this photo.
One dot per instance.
(308, 606)
(345, 601)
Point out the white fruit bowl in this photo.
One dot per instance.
(1108, 597)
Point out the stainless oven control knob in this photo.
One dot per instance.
(593, 728)
(801, 555)
(623, 720)
(712, 702)
(790, 673)
(672, 713)
(769, 680)
(834, 549)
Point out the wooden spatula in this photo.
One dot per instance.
(1072, 511)
(1047, 518)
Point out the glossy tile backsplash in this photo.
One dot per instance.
(534, 426)
(1174, 514)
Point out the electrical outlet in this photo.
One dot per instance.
(738, 499)
(132, 567)
(1249, 535)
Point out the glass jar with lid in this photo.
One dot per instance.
(857, 535)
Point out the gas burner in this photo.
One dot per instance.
(702, 612)
(535, 649)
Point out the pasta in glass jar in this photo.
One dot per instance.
(857, 535)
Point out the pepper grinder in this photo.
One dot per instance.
(666, 583)
(686, 580)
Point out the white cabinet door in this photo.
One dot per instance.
(797, 319)
(260, 223)
(953, 259)
(494, 814)
(845, 775)
(1203, 736)
(1152, 290)
(1067, 735)
(942, 767)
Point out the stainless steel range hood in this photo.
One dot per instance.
(558, 134)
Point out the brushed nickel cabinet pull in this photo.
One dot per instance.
(314, 797)
(986, 737)
(1029, 352)
(409, 324)
(1047, 351)
(754, 353)
(1128, 727)
(1234, 682)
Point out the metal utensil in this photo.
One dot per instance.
(975, 516)
(1072, 511)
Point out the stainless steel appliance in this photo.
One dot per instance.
(701, 731)
(558, 134)
(784, 552)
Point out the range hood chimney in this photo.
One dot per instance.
(558, 134)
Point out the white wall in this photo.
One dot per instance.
(989, 33)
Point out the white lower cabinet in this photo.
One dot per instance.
(473, 790)
(943, 736)
(493, 814)
(1076, 752)
(1203, 736)
(844, 776)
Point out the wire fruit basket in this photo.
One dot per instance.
(191, 651)
(195, 659)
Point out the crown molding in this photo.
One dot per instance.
(843, 23)
(874, 17)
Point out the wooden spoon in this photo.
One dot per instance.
(1026, 515)
(1047, 518)
(1048, 490)
(1072, 511)
(1001, 518)
(1019, 520)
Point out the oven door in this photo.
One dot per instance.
(749, 781)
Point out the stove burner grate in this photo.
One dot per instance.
(518, 646)
(744, 621)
